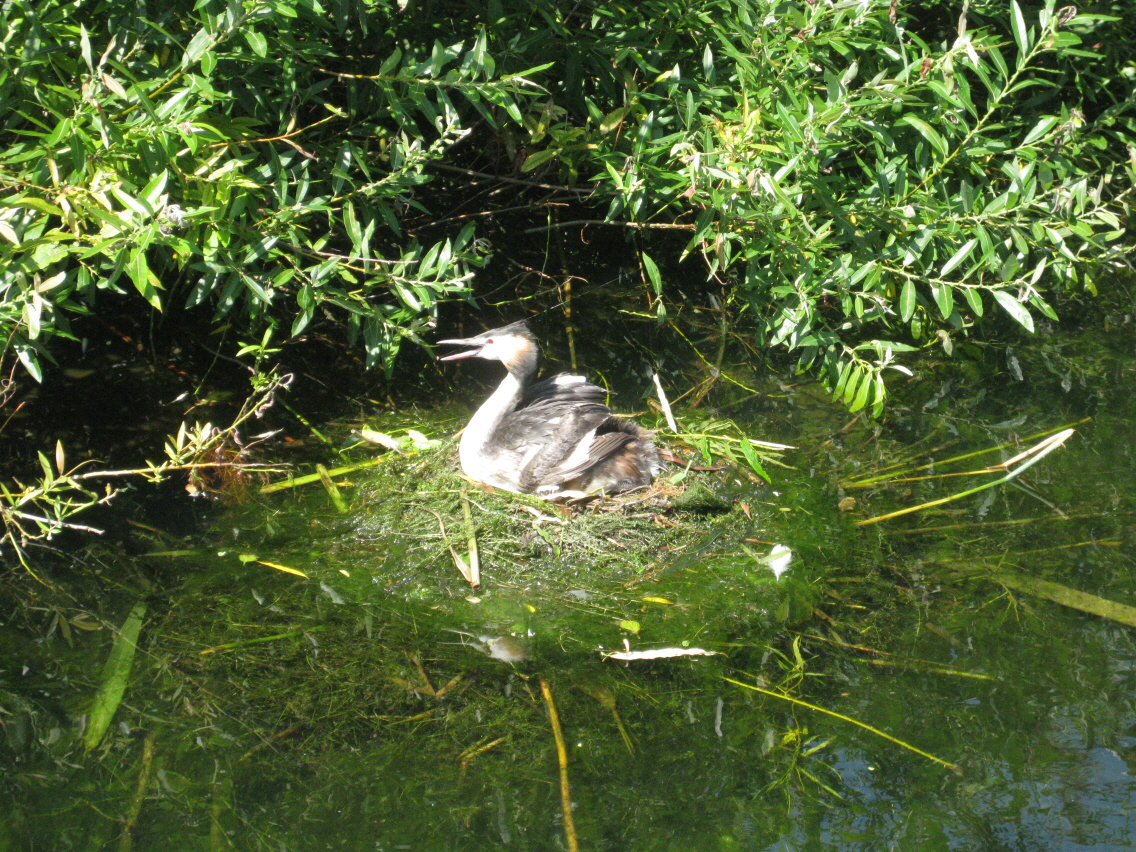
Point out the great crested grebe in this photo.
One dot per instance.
(554, 438)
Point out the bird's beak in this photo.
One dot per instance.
(476, 342)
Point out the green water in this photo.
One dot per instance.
(339, 710)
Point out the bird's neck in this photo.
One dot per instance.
(485, 423)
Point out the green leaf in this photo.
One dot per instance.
(138, 206)
(63, 128)
(907, 299)
(855, 378)
(879, 396)
(196, 47)
(1014, 308)
(48, 472)
(30, 359)
(999, 61)
(152, 194)
(354, 233)
(139, 271)
(958, 257)
(1041, 128)
(116, 674)
(1021, 34)
(708, 64)
(928, 133)
(534, 160)
(943, 92)
(752, 459)
(653, 273)
(613, 119)
(527, 72)
(32, 203)
(85, 48)
(841, 380)
(974, 299)
(863, 394)
(943, 298)
(33, 311)
(390, 63)
(257, 42)
(1043, 306)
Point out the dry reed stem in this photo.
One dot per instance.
(562, 759)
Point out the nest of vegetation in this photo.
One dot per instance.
(423, 501)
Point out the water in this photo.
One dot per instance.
(340, 711)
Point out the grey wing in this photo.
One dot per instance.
(569, 441)
(601, 448)
(549, 413)
(562, 389)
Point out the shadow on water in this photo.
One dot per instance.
(327, 679)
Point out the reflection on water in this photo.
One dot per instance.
(346, 710)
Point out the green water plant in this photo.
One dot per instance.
(856, 180)
(1066, 596)
(783, 696)
(116, 674)
(214, 459)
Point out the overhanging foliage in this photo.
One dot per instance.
(861, 180)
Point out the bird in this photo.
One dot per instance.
(554, 438)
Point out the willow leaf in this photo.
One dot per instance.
(1014, 308)
(116, 673)
(752, 459)
(907, 300)
(958, 257)
(1021, 34)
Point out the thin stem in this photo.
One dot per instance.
(981, 123)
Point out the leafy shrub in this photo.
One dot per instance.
(862, 182)
(225, 154)
(865, 189)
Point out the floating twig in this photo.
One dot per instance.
(888, 479)
(605, 697)
(562, 759)
(332, 489)
(951, 766)
(228, 646)
(658, 654)
(978, 525)
(287, 569)
(1027, 459)
(479, 749)
(665, 403)
(294, 481)
(473, 570)
(899, 661)
(126, 840)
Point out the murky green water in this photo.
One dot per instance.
(340, 710)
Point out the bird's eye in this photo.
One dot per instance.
(489, 341)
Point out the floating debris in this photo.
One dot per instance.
(658, 654)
